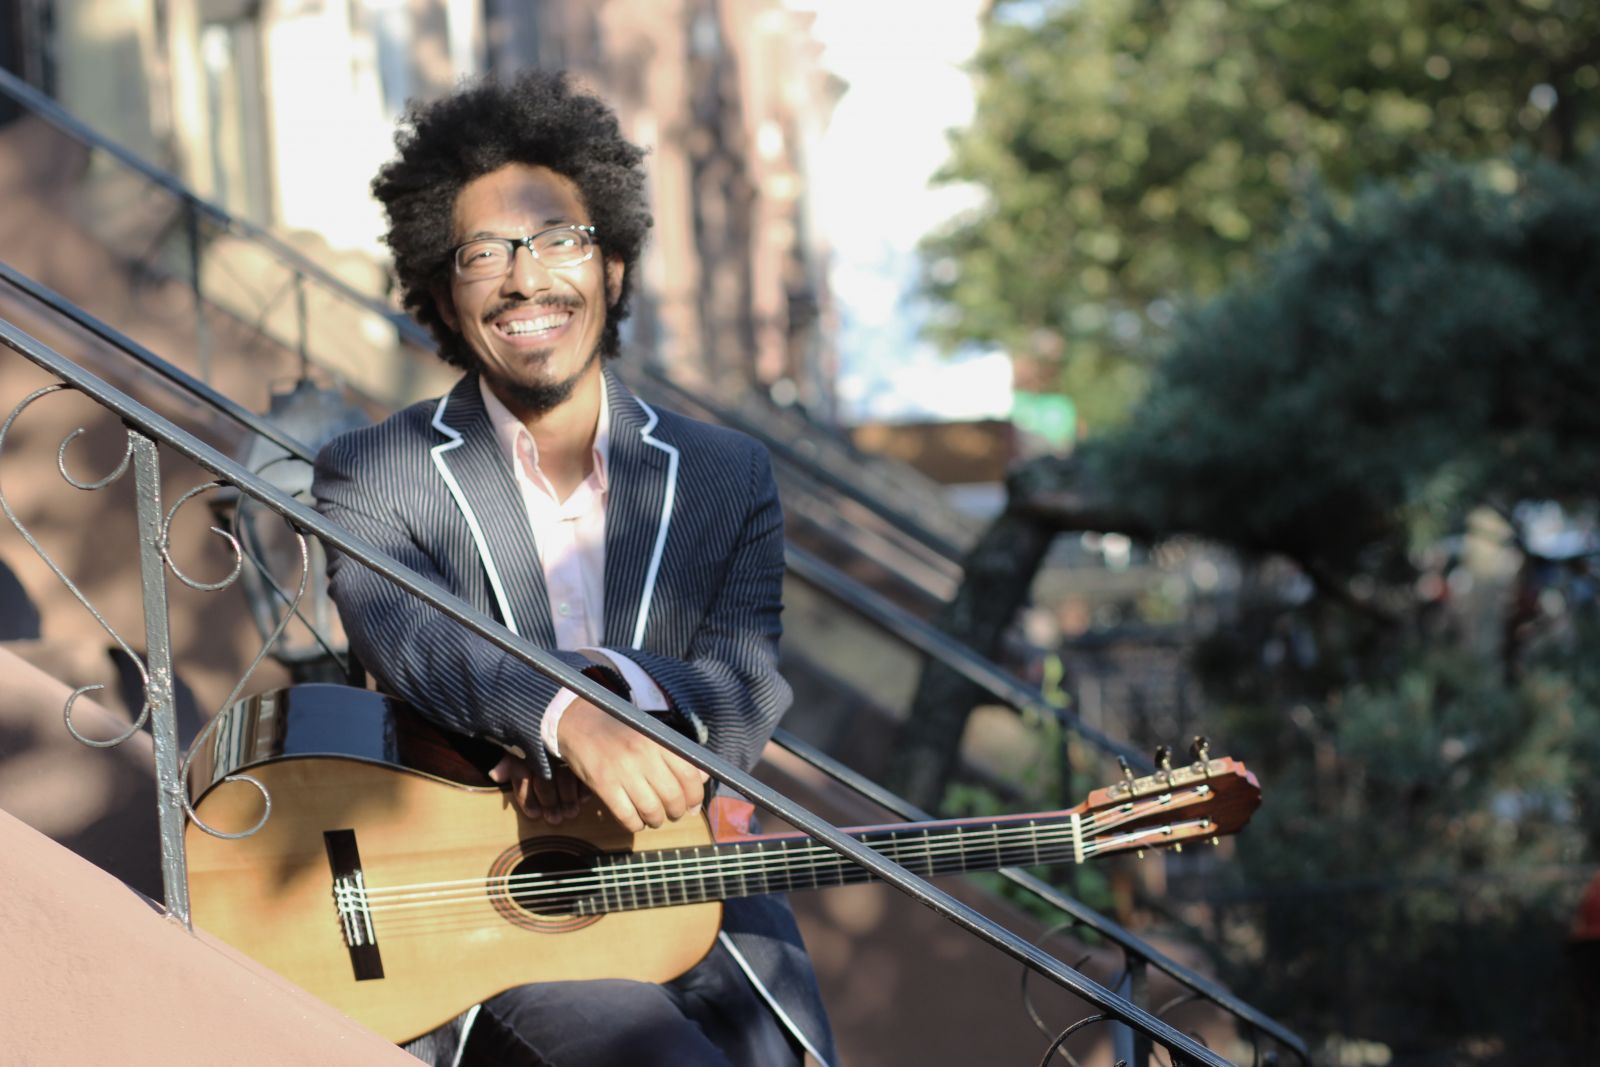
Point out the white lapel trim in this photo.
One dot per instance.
(767, 995)
(437, 452)
(666, 521)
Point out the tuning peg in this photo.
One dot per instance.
(1164, 758)
(1127, 771)
(1139, 854)
(1214, 839)
(1200, 749)
(1177, 846)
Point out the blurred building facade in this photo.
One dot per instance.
(282, 110)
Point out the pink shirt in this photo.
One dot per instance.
(570, 535)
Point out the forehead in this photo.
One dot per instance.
(516, 199)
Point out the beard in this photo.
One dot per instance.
(531, 400)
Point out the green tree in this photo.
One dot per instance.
(1424, 355)
(1386, 373)
(1138, 154)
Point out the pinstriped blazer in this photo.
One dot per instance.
(692, 593)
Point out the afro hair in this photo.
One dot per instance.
(538, 118)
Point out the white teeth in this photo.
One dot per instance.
(543, 322)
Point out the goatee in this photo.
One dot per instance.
(530, 401)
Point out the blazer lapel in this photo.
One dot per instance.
(642, 489)
(480, 480)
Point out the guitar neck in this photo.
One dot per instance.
(782, 863)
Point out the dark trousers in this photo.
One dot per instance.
(708, 1017)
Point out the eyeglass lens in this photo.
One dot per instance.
(492, 256)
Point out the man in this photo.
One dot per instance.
(646, 549)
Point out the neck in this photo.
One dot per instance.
(564, 434)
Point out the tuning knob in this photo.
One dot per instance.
(1200, 749)
(1127, 771)
(1177, 846)
(1139, 854)
(1214, 839)
(1164, 758)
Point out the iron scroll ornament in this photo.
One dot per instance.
(157, 678)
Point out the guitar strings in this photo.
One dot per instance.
(734, 857)
(469, 912)
(668, 868)
(646, 875)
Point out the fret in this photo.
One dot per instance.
(700, 867)
(603, 872)
(761, 867)
(1033, 839)
(798, 871)
(719, 865)
(649, 890)
(927, 855)
(674, 882)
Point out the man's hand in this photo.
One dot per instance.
(552, 800)
(639, 782)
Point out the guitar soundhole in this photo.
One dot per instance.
(541, 884)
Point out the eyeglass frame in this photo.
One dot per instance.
(513, 243)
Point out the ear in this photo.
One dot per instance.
(614, 272)
(446, 302)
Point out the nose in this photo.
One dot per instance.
(528, 274)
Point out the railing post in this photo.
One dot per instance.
(202, 337)
(159, 690)
(1139, 993)
(300, 323)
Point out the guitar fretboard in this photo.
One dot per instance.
(631, 881)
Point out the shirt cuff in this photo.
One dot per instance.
(552, 721)
(643, 691)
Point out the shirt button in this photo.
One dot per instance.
(565, 610)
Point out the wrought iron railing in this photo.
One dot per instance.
(147, 431)
(1005, 687)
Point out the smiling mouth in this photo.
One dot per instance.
(538, 328)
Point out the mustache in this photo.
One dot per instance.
(552, 301)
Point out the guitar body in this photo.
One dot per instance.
(271, 895)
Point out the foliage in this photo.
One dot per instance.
(1387, 372)
(1140, 153)
(1422, 851)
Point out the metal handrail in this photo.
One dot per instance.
(922, 636)
(911, 629)
(150, 423)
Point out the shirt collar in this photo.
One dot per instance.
(508, 431)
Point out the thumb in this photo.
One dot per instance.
(501, 772)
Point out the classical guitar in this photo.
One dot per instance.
(395, 881)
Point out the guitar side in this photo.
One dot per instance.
(272, 895)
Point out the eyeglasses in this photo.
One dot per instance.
(491, 257)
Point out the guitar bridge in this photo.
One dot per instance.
(351, 904)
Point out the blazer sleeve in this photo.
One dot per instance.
(448, 673)
(727, 684)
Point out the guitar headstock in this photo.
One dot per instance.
(1201, 800)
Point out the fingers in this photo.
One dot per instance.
(552, 800)
(639, 782)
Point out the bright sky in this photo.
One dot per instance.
(903, 60)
